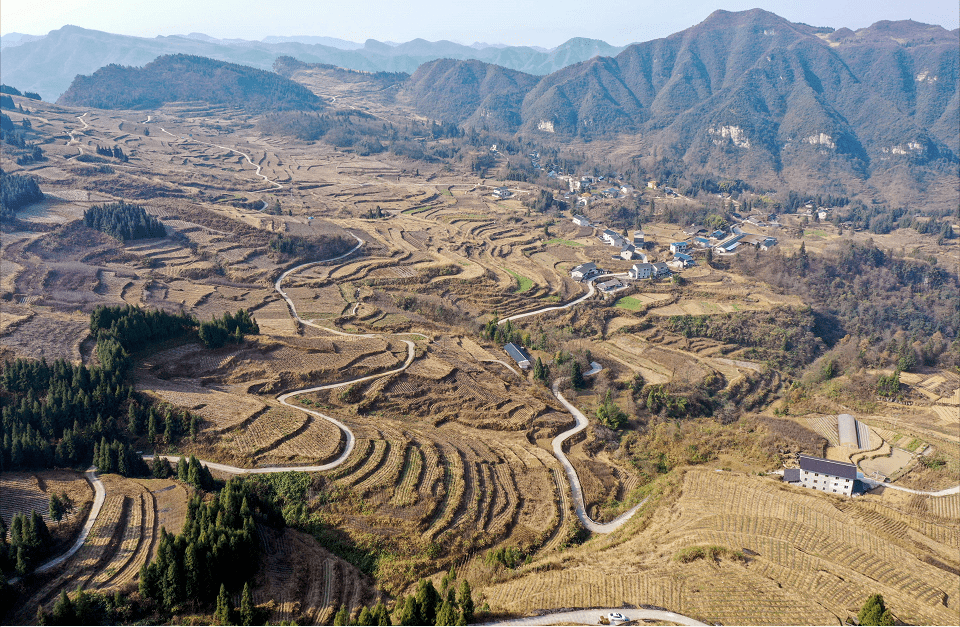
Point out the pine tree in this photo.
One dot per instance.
(380, 614)
(576, 375)
(246, 606)
(222, 615)
(159, 472)
(191, 567)
(342, 616)
(406, 612)
(465, 601)
(64, 612)
(23, 563)
(365, 617)
(448, 613)
(427, 599)
(133, 419)
(57, 508)
(152, 425)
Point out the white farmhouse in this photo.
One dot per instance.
(584, 271)
(641, 271)
(827, 475)
(660, 269)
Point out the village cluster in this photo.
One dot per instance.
(697, 239)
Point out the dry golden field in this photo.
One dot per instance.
(453, 455)
(805, 558)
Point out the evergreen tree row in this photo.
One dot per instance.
(504, 333)
(449, 606)
(29, 542)
(114, 153)
(118, 457)
(188, 471)
(218, 548)
(231, 327)
(16, 192)
(135, 328)
(123, 221)
(88, 608)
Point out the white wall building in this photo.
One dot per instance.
(827, 475)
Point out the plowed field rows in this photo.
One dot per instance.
(28, 492)
(265, 431)
(810, 558)
(320, 442)
(223, 411)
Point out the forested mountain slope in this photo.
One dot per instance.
(183, 77)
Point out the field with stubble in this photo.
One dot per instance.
(453, 461)
(789, 557)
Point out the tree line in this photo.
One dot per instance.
(16, 192)
(229, 328)
(7, 89)
(124, 222)
(115, 153)
(29, 542)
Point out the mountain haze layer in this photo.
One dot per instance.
(48, 65)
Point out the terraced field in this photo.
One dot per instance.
(29, 492)
(807, 559)
(122, 539)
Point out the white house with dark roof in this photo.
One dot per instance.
(613, 238)
(628, 252)
(678, 247)
(660, 269)
(827, 475)
(580, 220)
(641, 271)
(584, 271)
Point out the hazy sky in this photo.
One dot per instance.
(513, 22)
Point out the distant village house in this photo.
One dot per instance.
(584, 271)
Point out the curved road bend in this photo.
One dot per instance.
(591, 617)
(99, 496)
(245, 155)
(590, 292)
(574, 480)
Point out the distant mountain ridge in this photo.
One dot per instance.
(748, 95)
(181, 77)
(49, 64)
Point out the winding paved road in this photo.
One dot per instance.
(592, 617)
(574, 480)
(99, 496)
(581, 424)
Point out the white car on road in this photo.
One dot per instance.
(616, 618)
